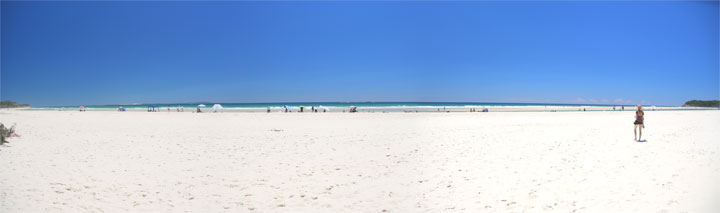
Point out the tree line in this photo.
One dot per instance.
(11, 104)
(700, 103)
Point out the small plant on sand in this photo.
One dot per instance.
(6, 133)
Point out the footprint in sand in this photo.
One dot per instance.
(532, 194)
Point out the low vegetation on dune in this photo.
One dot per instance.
(12, 104)
(700, 103)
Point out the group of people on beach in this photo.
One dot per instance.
(483, 110)
(302, 109)
(637, 130)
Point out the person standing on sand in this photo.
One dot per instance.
(639, 118)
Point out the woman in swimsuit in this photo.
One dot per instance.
(639, 118)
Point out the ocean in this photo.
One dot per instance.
(379, 107)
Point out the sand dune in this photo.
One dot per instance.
(364, 162)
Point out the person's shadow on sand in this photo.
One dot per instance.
(642, 141)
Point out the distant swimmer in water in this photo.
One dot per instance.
(639, 119)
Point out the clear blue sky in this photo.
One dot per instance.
(71, 53)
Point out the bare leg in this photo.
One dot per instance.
(635, 132)
(640, 136)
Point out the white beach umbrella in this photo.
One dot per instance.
(216, 107)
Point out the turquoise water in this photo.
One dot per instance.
(341, 105)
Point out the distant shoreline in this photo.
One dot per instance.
(347, 104)
(378, 109)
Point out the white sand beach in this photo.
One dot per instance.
(363, 162)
